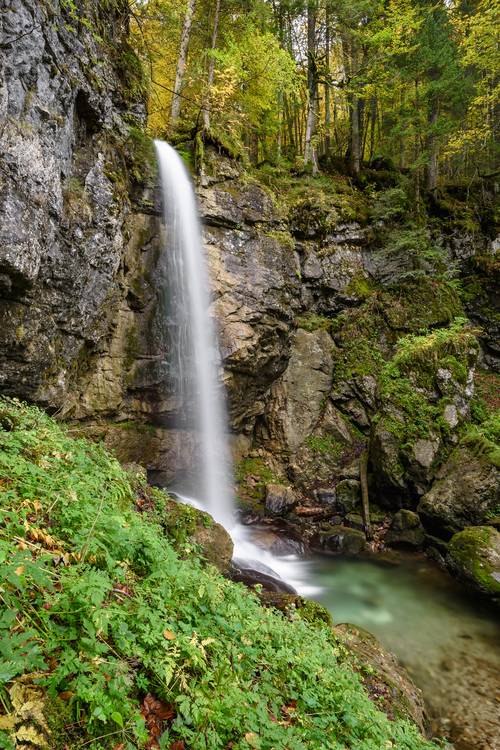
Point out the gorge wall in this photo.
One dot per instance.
(318, 286)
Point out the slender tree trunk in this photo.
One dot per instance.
(432, 148)
(355, 136)
(310, 155)
(373, 122)
(328, 139)
(211, 67)
(181, 62)
(363, 471)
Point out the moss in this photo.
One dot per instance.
(326, 445)
(468, 552)
(454, 348)
(252, 476)
(285, 239)
(313, 204)
(314, 614)
(139, 154)
(313, 322)
(360, 287)
(484, 439)
(420, 303)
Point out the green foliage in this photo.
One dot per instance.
(412, 372)
(313, 322)
(390, 205)
(252, 475)
(325, 444)
(98, 604)
(484, 439)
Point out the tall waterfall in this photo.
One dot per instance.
(195, 368)
(195, 360)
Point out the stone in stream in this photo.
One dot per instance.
(474, 556)
(405, 530)
(340, 540)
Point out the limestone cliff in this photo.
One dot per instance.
(76, 253)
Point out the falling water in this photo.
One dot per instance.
(195, 361)
(195, 367)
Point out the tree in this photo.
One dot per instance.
(181, 63)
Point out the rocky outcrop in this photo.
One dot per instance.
(386, 681)
(78, 304)
(424, 393)
(466, 492)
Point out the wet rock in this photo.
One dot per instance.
(78, 303)
(279, 499)
(405, 530)
(325, 496)
(340, 540)
(465, 492)
(247, 572)
(474, 556)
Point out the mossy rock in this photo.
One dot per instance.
(386, 681)
(340, 540)
(474, 556)
(296, 606)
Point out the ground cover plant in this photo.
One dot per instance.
(128, 639)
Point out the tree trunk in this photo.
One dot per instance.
(211, 67)
(355, 136)
(310, 155)
(373, 122)
(363, 472)
(328, 138)
(181, 63)
(432, 148)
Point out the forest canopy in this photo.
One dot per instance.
(406, 83)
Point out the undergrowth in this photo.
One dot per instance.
(100, 611)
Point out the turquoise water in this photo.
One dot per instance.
(448, 640)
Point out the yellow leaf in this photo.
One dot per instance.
(7, 723)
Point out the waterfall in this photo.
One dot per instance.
(194, 358)
(195, 366)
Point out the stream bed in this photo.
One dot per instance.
(446, 638)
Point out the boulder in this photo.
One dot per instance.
(348, 495)
(340, 540)
(474, 556)
(465, 493)
(279, 499)
(406, 530)
(325, 495)
(215, 542)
